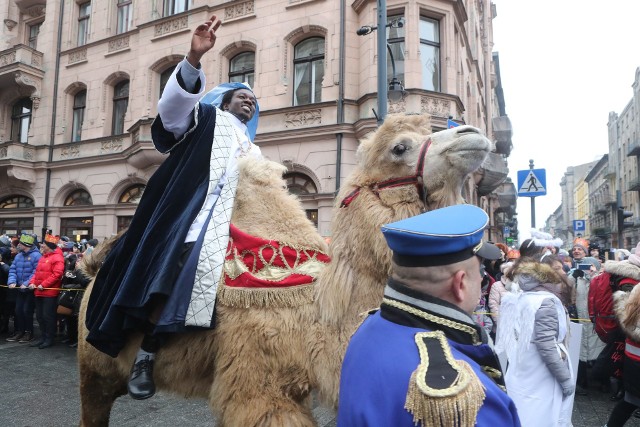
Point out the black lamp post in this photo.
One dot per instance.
(394, 91)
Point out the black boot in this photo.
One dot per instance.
(617, 390)
(582, 383)
(141, 385)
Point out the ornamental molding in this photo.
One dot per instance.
(28, 153)
(111, 146)
(36, 102)
(78, 56)
(3, 152)
(118, 44)
(10, 24)
(303, 118)
(435, 106)
(397, 107)
(170, 26)
(36, 11)
(239, 10)
(70, 152)
(8, 58)
(36, 59)
(26, 81)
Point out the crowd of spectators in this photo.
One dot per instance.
(41, 278)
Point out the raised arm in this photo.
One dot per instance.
(186, 85)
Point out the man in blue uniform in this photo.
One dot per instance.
(421, 359)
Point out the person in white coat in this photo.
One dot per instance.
(533, 331)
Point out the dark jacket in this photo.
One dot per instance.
(148, 252)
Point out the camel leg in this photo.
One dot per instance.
(97, 394)
(262, 411)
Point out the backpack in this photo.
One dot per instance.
(600, 300)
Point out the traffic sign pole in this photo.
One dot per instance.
(533, 202)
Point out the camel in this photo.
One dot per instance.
(267, 353)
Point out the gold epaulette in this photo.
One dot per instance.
(442, 391)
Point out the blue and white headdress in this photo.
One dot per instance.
(215, 95)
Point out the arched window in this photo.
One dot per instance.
(308, 71)
(79, 104)
(120, 103)
(164, 78)
(78, 198)
(242, 68)
(299, 183)
(132, 194)
(16, 202)
(21, 120)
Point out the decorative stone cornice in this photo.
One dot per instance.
(10, 24)
(111, 146)
(78, 56)
(36, 11)
(303, 118)
(70, 152)
(435, 106)
(239, 10)
(25, 80)
(171, 26)
(119, 43)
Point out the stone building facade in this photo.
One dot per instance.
(613, 181)
(80, 80)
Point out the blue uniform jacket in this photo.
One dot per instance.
(380, 359)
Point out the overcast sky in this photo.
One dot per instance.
(564, 64)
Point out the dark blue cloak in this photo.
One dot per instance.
(142, 266)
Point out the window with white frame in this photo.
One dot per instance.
(171, 7)
(125, 16)
(308, 71)
(34, 30)
(79, 104)
(430, 53)
(120, 104)
(83, 23)
(395, 47)
(242, 68)
(21, 120)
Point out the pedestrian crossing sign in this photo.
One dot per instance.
(532, 183)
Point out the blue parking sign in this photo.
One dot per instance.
(579, 225)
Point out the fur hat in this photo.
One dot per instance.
(542, 239)
(634, 258)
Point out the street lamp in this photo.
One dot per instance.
(394, 91)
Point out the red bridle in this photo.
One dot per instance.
(416, 180)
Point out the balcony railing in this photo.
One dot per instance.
(17, 55)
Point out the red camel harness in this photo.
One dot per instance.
(416, 180)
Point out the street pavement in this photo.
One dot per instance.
(39, 388)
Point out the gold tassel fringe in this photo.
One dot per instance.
(455, 410)
(293, 296)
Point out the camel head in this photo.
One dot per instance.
(402, 169)
(453, 155)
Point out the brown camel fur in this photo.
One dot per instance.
(258, 367)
